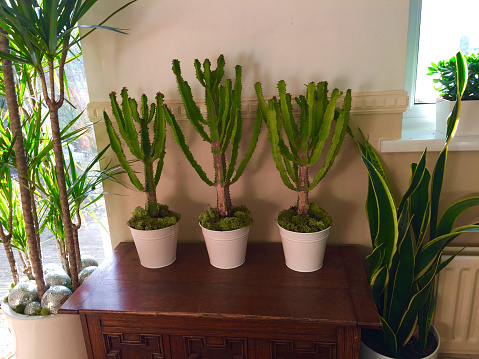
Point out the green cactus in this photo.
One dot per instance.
(222, 127)
(139, 142)
(306, 136)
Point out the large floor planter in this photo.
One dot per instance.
(56, 336)
(156, 248)
(368, 353)
(226, 249)
(304, 252)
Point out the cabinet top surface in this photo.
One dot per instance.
(263, 287)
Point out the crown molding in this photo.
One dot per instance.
(362, 103)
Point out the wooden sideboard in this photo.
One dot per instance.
(193, 310)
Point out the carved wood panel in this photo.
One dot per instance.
(302, 350)
(211, 347)
(133, 345)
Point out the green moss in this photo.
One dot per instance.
(211, 219)
(316, 220)
(141, 220)
(20, 308)
(44, 312)
(5, 300)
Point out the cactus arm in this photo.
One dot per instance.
(144, 108)
(219, 72)
(159, 167)
(274, 140)
(325, 128)
(311, 102)
(180, 140)
(292, 170)
(152, 112)
(192, 110)
(225, 115)
(159, 129)
(125, 124)
(116, 147)
(342, 124)
(251, 147)
(237, 131)
(303, 131)
(261, 102)
(199, 74)
(287, 113)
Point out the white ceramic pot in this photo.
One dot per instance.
(56, 336)
(367, 353)
(304, 252)
(226, 249)
(156, 248)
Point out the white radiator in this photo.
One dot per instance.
(457, 311)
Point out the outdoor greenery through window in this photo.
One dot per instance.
(444, 30)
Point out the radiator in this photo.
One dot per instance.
(457, 311)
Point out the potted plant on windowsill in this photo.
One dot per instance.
(226, 227)
(408, 240)
(304, 228)
(155, 227)
(445, 73)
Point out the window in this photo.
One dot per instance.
(437, 30)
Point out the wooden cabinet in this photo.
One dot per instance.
(193, 310)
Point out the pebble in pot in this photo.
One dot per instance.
(22, 294)
(54, 297)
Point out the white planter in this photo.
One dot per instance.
(156, 248)
(304, 252)
(468, 119)
(368, 353)
(56, 336)
(226, 249)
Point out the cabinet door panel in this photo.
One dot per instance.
(285, 349)
(133, 345)
(215, 347)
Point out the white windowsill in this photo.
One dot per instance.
(419, 132)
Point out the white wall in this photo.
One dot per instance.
(357, 44)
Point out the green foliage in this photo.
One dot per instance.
(211, 219)
(222, 127)
(445, 73)
(140, 218)
(405, 259)
(307, 135)
(44, 312)
(141, 146)
(316, 220)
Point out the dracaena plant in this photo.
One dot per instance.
(41, 33)
(150, 151)
(445, 78)
(298, 144)
(408, 240)
(222, 129)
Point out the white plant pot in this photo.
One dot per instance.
(156, 248)
(56, 336)
(304, 252)
(226, 249)
(468, 119)
(367, 353)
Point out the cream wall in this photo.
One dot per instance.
(357, 44)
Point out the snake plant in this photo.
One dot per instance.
(305, 141)
(221, 128)
(408, 240)
(149, 151)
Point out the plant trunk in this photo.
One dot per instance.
(223, 197)
(27, 266)
(22, 168)
(63, 256)
(35, 221)
(11, 259)
(62, 188)
(303, 198)
(76, 228)
(152, 202)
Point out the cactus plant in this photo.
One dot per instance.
(141, 146)
(305, 138)
(224, 123)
